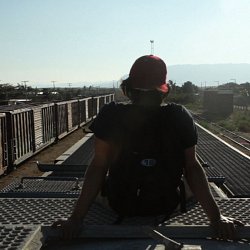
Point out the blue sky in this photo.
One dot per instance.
(96, 41)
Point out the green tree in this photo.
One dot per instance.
(6, 90)
(188, 87)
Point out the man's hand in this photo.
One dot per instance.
(69, 228)
(225, 227)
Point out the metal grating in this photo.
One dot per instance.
(67, 174)
(46, 188)
(34, 210)
(233, 165)
(16, 237)
(83, 155)
(46, 211)
(235, 207)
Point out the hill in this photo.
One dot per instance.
(209, 74)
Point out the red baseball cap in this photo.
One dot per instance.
(148, 73)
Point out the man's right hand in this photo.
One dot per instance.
(225, 227)
(69, 228)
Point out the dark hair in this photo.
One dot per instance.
(143, 97)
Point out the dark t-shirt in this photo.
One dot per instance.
(115, 121)
(149, 144)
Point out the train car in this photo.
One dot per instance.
(89, 109)
(109, 98)
(3, 145)
(61, 119)
(101, 102)
(82, 107)
(95, 106)
(44, 125)
(73, 114)
(26, 129)
(20, 135)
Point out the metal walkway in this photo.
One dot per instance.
(228, 162)
(30, 205)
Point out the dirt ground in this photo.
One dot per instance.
(48, 155)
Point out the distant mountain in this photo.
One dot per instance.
(210, 73)
(196, 73)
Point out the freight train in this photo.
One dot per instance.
(27, 129)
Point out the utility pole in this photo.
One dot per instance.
(25, 86)
(54, 87)
(152, 46)
(54, 90)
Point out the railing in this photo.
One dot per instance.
(25, 131)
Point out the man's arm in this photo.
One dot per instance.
(198, 183)
(94, 178)
(93, 181)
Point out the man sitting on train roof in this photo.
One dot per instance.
(142, 150)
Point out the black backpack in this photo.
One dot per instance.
(145, 178)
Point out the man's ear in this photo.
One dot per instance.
(165, 95)
(125, 86)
